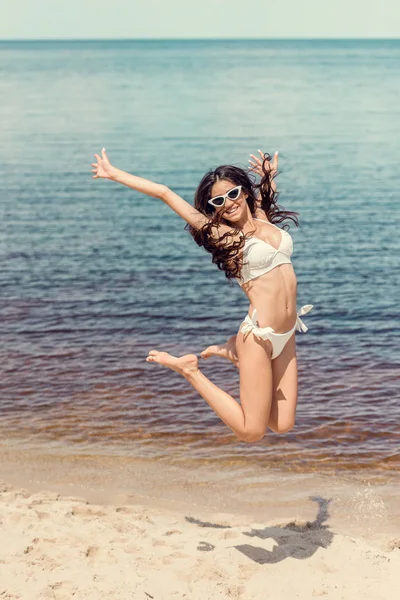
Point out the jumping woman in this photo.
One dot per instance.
(235, 219)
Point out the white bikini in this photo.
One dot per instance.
(259, 258)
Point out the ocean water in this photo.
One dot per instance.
(94, 275)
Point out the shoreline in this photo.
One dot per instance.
(361, 507)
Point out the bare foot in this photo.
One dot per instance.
(227, 350)
(185, 365)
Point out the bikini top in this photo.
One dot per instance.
(259, 257)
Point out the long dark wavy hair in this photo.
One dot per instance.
(227, 249)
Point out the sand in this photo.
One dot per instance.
(55, 546)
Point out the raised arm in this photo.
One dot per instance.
(105, 170)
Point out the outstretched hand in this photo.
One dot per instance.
(257, 163)
(103, 167)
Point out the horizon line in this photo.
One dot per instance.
(200, 39)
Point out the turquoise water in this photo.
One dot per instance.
(94, 275)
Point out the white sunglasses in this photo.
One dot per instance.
(233, 194)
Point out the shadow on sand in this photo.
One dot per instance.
(295, 540)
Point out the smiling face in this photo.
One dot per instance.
(233, 210)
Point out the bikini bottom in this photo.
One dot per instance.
(278, 340)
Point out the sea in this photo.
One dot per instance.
(93, 275)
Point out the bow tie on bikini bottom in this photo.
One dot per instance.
(250, 324)
(303, 311)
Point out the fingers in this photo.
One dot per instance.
(104, 154)
(255, 169)
(275, 161)
(94, 170)
(256, 159)
(96, 165)
(257, 163)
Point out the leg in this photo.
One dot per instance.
(284, 369)
(284, 402)
(248, 420)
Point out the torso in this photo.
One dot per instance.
(268, 277)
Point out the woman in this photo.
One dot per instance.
(226, 220)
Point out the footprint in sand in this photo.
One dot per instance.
(172, 532)
(205, 547)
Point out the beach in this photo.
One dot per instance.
(76, 530)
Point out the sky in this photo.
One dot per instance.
(77, 19)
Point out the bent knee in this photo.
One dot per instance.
(253, 435)
(281, 428)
